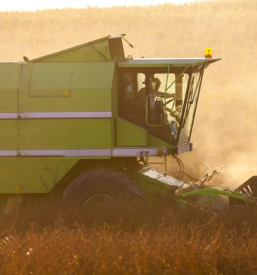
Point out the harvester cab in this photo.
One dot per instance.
(161, 95)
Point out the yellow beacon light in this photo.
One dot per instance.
(208, 53)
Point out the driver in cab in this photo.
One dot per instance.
(154, 90)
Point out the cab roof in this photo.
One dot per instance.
(165, 62)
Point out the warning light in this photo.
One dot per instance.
(208, 53)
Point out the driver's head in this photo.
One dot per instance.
(155, 84)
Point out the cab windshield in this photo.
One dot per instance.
(162, 102)
(190, 107)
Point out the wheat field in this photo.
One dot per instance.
(173, 242)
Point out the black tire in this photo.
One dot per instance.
(106, 184)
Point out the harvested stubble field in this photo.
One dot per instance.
(170, 240)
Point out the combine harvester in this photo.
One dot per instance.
(87, 119)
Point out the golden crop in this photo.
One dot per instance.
(166, 241)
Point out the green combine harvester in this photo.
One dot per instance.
(83, 120)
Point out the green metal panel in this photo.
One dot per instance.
(9, 81)
(115, 101)
(64, 134)
(41, 174)
(156, 186)
(115, 93)
(8, 175)
(50, 81)
(93, 76)
(90, 52)
(8, 134)
(90, 88)
(214, 191)
(156, 142)
(129, 134)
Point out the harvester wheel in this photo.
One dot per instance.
(111, 189)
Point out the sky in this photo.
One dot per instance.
(33, 5)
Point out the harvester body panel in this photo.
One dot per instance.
(80, 104)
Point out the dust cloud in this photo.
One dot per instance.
(225, 126)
